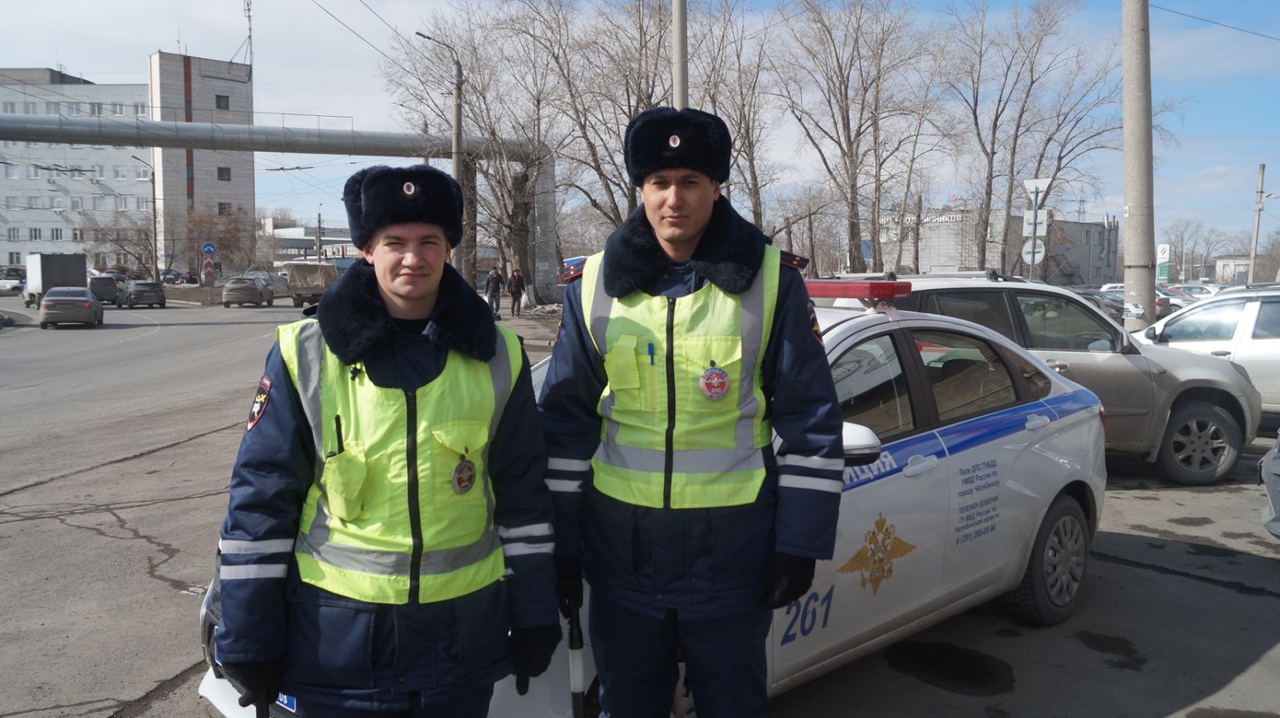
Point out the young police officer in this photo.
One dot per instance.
(684, 346)
(389, 525)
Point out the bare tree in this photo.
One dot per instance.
(119, 235)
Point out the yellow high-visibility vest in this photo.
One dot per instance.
(402, 459)
(684, 397)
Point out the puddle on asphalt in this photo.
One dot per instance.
(951, 668)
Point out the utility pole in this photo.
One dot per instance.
(679, 54)
(155, 235)
(319, 234)
(1139, 191)
(1257, 220)
(467, 248)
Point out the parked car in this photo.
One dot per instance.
(1131, 309)
(115, 274)
(137, 292)
(104, 287)
(1243, 326)
(1112, 287)
(1169, 302)
(173, 276)
(1197, 291)
(1191, 415)
(12, 278)
(69, 305)
(987, 481)
(1112, 307)
(247, 290)
(1269, 476)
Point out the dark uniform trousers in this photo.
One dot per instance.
(471, 704)
(635, 656)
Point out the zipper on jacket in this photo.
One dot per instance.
(669, 459)
(415, 508)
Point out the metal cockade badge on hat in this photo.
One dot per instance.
(464, 475)
(410, 188)
(714, 383)
(674, 141)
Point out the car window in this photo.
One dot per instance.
(872, 388)
(1055, 322)
(987, 308)
(1212, 322)
(965, 374)
(1038, 383)
(66, 292)
(1268, 324)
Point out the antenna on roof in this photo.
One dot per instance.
(248, 13)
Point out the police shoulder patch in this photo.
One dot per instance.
(572, 269)
(259, 401)
(794, 261)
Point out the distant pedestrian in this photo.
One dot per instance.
(493, 291)
(515, 287)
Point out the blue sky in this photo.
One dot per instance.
(311, 67)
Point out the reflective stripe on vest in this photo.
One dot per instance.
(711, 375)
(355, 535)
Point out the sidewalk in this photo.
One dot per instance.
(537, 328)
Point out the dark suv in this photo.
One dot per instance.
(142, 292)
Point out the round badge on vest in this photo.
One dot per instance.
(464, 476)
(714, 383)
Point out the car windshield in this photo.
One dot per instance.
(145, 285)
(66, 292)
(238, 282)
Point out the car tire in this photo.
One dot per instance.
(44, 325)
(1050, 589)
(297, 302)
(226, 305)
(270, 302)
(1201, 444)
(257, 304)
(101, 318)
(162, 305)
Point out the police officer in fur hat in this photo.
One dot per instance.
(388, 543)
(684, 346)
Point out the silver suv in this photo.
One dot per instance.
(1189, 414)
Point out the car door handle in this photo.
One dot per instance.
(1036, 421)
(1221, 353)
(1056, 365)
(918, 464)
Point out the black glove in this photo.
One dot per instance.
(259, 682)
(786, 578)
(531, 650)
(568, 583)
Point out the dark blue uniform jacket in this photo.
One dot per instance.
(346, 652)
(703, 562)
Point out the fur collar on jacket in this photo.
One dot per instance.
(728, 255)
(355, 323)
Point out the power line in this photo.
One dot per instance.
(1215, 22)
(353, 32)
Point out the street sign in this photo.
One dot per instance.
(208, 267)
(1036, 187)
(1033, 223)
(207, 248)
(1162, 272)
(1027, 247)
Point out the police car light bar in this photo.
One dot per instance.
(843, 289)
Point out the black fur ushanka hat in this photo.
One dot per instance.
(666, 138)
(380, 196)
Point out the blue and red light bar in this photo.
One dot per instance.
(844, 289)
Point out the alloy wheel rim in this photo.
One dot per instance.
(1199, 445)
(1064, 560)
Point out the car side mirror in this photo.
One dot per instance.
(861, 445)
(1151, 334)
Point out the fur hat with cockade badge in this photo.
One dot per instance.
(380, 196)
(666, 138)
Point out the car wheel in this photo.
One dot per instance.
(270, 302)
(1201, 444)
(226, 305)
(162, 305)
(1050, 588)
(258, 304)
(101, 317)
(44, 325)
(297, 302)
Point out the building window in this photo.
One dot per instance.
(14, 232)
(77, 234)
(33, 172)
(117, 108)
(142, 173)
(52, 108)
(29, 107)
(223, 102)
(191, 172)
(95, 108)
(224, 174)
(224, 208)
(144, 204)
(34, 203)
(36, 144)
(77, 203)
(15, 257)
(99, 202)
(10, 143)
(56, 234)
(122, 203)
(33, 233)
(139, 108)
(77, 172)
(73, 108)
(99, 171)
(122, 172)
(10, 202)
(9, 108)
(11, 172)
(57, 202)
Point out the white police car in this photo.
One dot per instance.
(988, 481)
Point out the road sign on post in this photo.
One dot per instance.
(1035, 188)
(1032, 252)
(207, 248)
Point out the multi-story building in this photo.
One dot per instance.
(99, 199)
